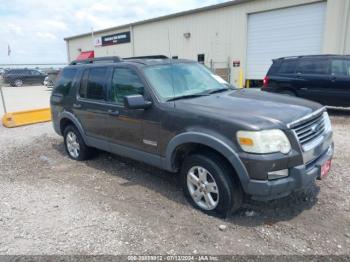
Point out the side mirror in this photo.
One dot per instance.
(136, 102)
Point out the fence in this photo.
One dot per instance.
(221, 68)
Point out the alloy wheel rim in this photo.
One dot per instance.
(73, 145)
(18, 83)
(203, 188)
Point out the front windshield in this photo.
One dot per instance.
(182, 79)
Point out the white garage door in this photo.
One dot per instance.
(284, 32)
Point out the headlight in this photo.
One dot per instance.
(327, 122)
(264, 142)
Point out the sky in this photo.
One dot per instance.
(34, 29)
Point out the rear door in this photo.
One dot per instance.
(22, 74)
(282, 75)
(91, 104)
(339, 88)
(312, 79)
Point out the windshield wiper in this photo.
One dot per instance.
(185, 97)
(213, 91)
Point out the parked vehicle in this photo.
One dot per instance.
(19, 77)
(51, 78)
(2, 71)
(48, 82)
(178, 116)
(322, 78)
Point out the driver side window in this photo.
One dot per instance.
(34, 73)
(125, 82)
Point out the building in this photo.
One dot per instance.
(237, 39)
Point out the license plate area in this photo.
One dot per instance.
(324, 170)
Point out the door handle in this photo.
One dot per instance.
(113, 112)
(77, 105)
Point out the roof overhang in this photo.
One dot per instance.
(85, 55)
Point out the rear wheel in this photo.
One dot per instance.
(17, 83)
(75, 145)
(209, 185)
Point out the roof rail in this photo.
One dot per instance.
(288, 57)
(147, 57)
(106, 59)
(311, 56)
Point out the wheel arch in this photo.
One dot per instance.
(68, 118)
(191, 141)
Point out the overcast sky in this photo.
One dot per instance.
(35, 29)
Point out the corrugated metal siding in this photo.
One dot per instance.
(285, 32)
(219, 34)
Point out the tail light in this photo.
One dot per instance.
(265, 82)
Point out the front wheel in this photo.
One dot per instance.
(210, 186)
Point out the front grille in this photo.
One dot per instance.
(310, 130)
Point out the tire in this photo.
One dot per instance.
(218, 173)
(288, 93)
(74, 144)
(17, 83)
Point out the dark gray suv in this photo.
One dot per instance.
(178, 116)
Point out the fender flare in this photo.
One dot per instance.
(220, 145)
(76, 122)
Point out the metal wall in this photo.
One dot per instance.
(220, 34)
(337, 33)
(86, 43)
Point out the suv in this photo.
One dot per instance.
(178, 116)
(18, 77)
(322, 78)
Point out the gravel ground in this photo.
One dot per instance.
(111, 205)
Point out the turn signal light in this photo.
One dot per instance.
(244, 141)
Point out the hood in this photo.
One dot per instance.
(253, 108)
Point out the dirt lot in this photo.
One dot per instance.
(110, 205)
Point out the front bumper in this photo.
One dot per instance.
(300, 177)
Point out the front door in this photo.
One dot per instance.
(36, 77)
(91, 105)
(125, 127)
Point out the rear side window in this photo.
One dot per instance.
(65, 80)
(93, 84)
(313, 66)
(340, 67)
(288, 67)
(17, 72)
